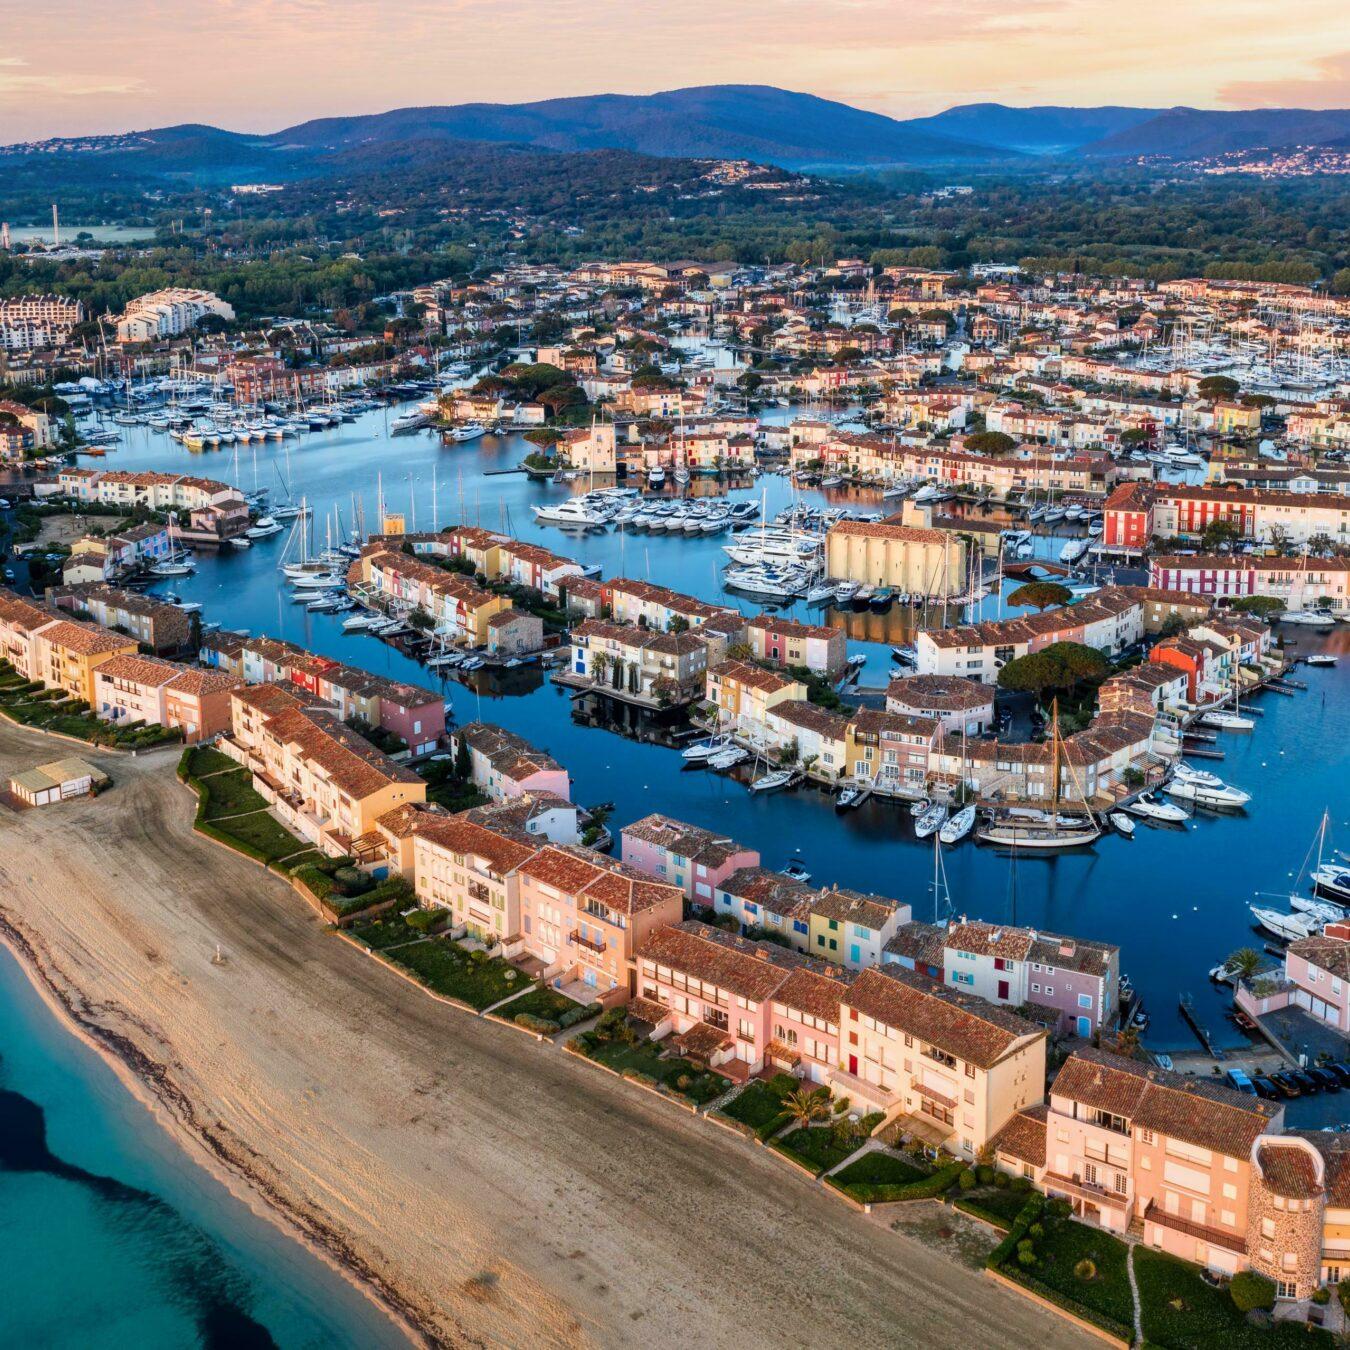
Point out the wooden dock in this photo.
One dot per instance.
(1187, 1008)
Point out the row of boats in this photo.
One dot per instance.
(629, 510)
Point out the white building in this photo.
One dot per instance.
(168, 312)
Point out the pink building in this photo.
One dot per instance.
(505, 765)
(696, 860)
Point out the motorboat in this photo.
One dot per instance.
(1167, 813)
(930, 821)
(1291, 927)
(775, 781)
(318, 581)
(1122, 823)
(906, 656)
(1227, 721)
(1308, 618)
(955, 828)
(1207, 794)
(1333, 880)
(1321, 659)
(797, 871)
(821, 593)
(1227, 972)
(360, 623)
(1321, 910)
(882, 597)
(849, 797)
(845, 591)
(571, 512)
(263, 528)
(702, 752)
(728, 758)
(470, 431)
(1190, 773)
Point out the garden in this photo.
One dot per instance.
(230, 811)
(758, 1109)
(448, 969)
(546, 1011)
(614, 1043)
(33, 705)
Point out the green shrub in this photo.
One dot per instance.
(1321, 1297)
(1026, 1257)
(352, 880)
(1343, 1293)
(478, 956)
(1250, 1290)
(578, 1014)
(543, 1025)
(424, 920)
(1037, 1230)
(1086, 1269)
(1020, 1184)
(967, 1179)
(985, 1174)
(1002, 1180)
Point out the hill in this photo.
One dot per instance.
(1044, 130)
(1194, 133)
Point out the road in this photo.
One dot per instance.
(505, 1192)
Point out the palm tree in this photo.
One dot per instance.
(1244, 963)
(805, 1105)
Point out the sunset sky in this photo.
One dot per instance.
(81, 66)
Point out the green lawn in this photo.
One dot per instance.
(644, 1059)
(760, 1104)
(448, 969)
(998, 1205)
(204, 759)
(1180, 1311)
(386, 931)
(1058, 1253)
(878, 1169)
(545, 1003)
(815, 1147)
(49, 710)
(265, 836)
(231, 794)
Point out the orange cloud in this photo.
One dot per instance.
(1329, 87)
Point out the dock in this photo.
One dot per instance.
(1202, 752)
(1186, 1006)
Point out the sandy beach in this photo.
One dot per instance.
(491, 1190)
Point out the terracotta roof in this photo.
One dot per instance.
(144, 670)
(85, 639)
(752, 970)
(1326, 953)
(689, 841)
(816, 992)
(845, 906)
(962, 1025)
(882, 529)
(195, 683)
(1023, 1136)
(922, 942)
(457, 835)
(742, 672)
(1195, 1110)
(1288, 1171)
(939, 693)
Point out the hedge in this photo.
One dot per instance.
(927, 1188)
(1026, 1216)
(1070, 1305)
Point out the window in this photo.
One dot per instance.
(1049, 989)
(1085, 1000)
(1145, 1136)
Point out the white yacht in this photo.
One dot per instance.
(470, 431)
(958, 826)
(930, 821)
(1290, 927)
(263, 528)
(1227, 721)
(1308, 618)
(1123, 823)
(1208, 794)
(1169, 813)
(571, 512)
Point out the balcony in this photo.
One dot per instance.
(1086, 1190)
(1216, 1237)
(477, 891)
(581, 940)
(940, 1057)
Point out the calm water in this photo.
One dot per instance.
(114, 1237)
(1175, 899)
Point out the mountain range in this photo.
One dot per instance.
(754, 122)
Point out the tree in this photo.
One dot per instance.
(1250, 1290)
(1219, 532)
(1136, 436)
(1060, 667)
(1041, 595)
(463, 761)
(1321, 544)
(1244, 963)
(806, 1105)
(990, 443)
(1261, 605)
(1218, 386)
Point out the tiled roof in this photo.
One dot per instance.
(752, 970)
(457, 835)
(962, 1025)
(940, 693)
(144, 670)
(1023, 1136)
(1195, 1110)
(1288, 1171)
(845, 906)
(85, 639)
(689, 841)
(753, 677)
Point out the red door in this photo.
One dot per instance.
(1003, 989)
(853, 1065)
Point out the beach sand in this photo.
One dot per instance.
(491, 1189)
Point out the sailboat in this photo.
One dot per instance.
(958, 826)
(177, 563)
(1046, 830)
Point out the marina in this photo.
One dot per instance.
(1170, 936)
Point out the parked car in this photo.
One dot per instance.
(1305, 1082)
(1325, 1079)
(1239, 1081)
(1342, 1071)
(1264, 1088)
(1286, 1084)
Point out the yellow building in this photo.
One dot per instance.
(743, 694)
(67, 654)
(909, 558)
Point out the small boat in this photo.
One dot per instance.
(1321, 659)
(1166, 812)
(774, 782)
(1290, 927)
(845, 591)
(703, 751)
(820, 594)
(1224, 973)
(849, 797)
(958, 826)
(1227, 721)
(882, 597)
(930, 821)
(907, 656)
(797, 871)
(1122, 823)
(728, 758)
(1333, 880)
(863, 595)
(1322, 910)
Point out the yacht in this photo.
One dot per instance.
(571, 512)
(1308, 618)
(958, 826)
(263, 528)
(932, 820)
(1227, 721)
(728, 758)
(1208, 794)
(1321, 659)
(1122, 823)
(1169, 813)
(413, 420)
(1324, 911)
(1020, 832)
(470, 431)
(845, 591)
(1333, 880)
(821, 593)
(773, 782)
(1290, 927)
(180, 566)
(360, 623)
(702, 752)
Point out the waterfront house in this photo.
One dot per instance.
(809, 735)
(322, 779)
(165, 629)
(957, 704)
(470, 870)
(655, 607)
(891, 751)
(760, 899)
(504, 765)
(951, 1067)
(130, 688)
(742, 695)
(626, 660)
(852, 929)
(786, 643)
(694, 859)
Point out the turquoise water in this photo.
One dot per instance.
(112, 1236)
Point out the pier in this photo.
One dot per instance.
(1186, 1006)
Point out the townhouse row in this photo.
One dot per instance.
(1298, 583)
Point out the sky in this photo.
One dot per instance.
(75, 67)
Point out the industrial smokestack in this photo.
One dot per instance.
(56, 228)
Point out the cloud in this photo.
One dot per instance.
(1327, 87)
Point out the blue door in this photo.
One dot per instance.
(1085, 1027)
(855, 954)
